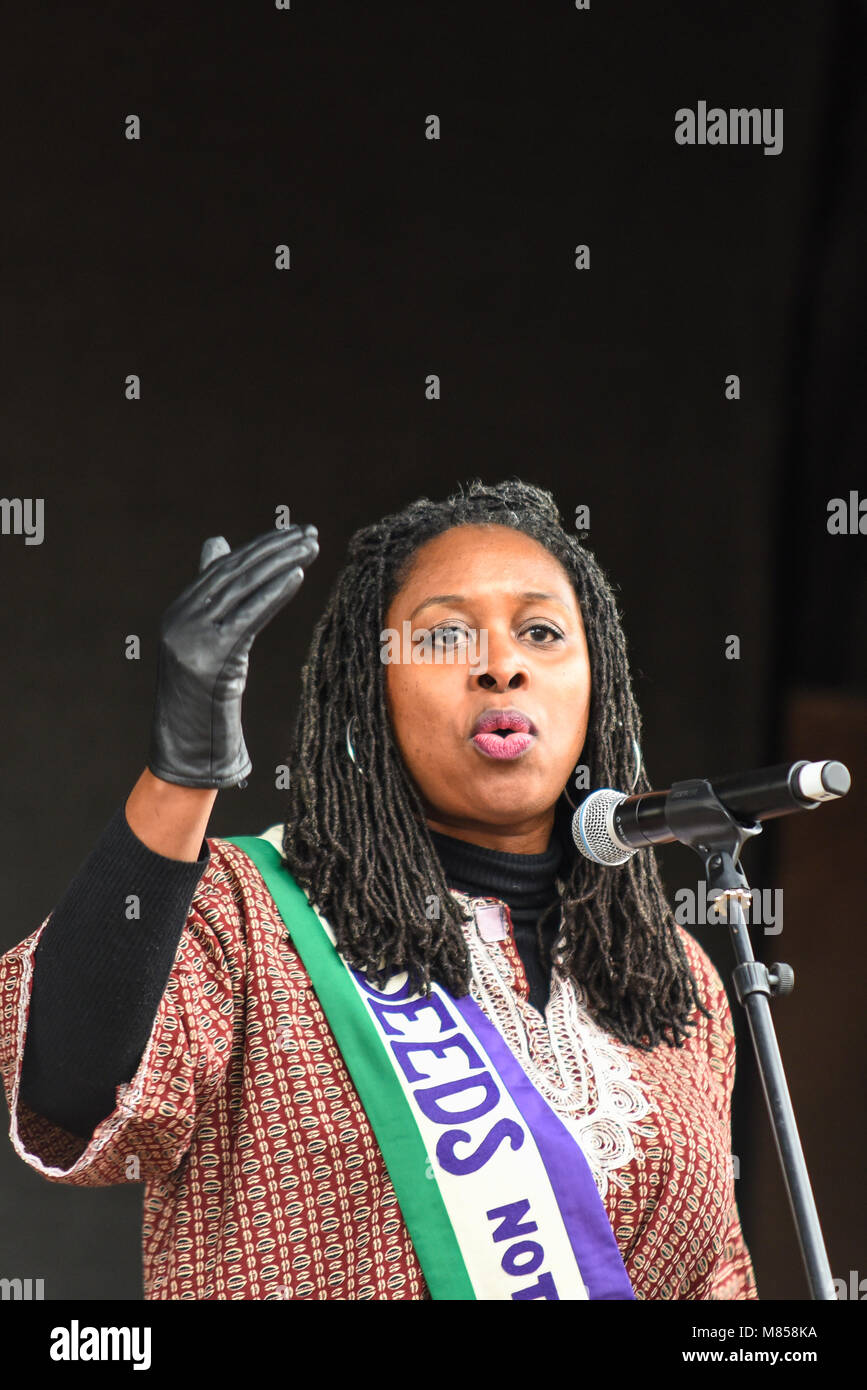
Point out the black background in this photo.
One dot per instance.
(306, 387)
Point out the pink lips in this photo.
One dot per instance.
(512, 746)
(521, 735)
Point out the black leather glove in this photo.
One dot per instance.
(205, 640)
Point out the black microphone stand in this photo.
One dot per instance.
(699, 820)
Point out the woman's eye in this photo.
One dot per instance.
(452, 635)
(449, 636)
(543, 627)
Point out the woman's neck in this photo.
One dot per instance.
(527, 837)
(519, 879)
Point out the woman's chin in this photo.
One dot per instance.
(492, 793)
(506, 805)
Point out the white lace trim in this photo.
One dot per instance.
(583, 1073)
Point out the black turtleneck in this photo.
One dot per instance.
(527, 883)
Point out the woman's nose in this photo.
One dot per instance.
(489, 681)
(505, 668)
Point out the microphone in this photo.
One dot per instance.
(610, 826)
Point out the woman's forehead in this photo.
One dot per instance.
(482, 556)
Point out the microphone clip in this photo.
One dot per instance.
(698, 818)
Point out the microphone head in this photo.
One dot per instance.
(592, 828)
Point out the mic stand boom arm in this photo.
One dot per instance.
(698, 819)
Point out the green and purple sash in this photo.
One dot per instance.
(497, 1195)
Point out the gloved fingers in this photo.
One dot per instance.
(223, 565)
(236, 588)
(258, 608)
(213, 547)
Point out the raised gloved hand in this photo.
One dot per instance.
(205, 640)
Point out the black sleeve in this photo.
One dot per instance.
(99, 975)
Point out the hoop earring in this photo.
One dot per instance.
(349, 748)
(637, 751)
(569, 799)
(637, 754)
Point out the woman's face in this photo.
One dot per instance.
(509, 591)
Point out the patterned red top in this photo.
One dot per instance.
(262, 1176)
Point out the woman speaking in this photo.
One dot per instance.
(409, 1043)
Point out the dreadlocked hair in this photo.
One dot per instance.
(356, 837)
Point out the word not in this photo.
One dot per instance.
(424, 645)
(521, 1256)
(21, 509)
(847, 521)
(739, 126)
(692, 909)
(76, 1343)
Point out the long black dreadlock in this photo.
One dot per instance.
(356, 838)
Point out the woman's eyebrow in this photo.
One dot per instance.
(461, 598)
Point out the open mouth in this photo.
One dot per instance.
(503, 734)
(503, 743)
